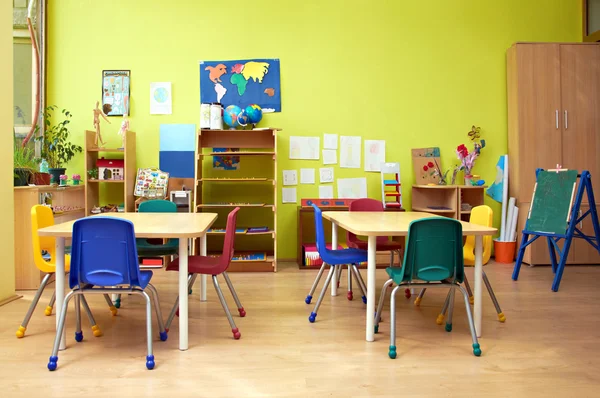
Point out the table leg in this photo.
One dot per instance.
(334, 244)
(183, 294)
(371, 267)
(203, 277)
(60, 285)
(478, 283)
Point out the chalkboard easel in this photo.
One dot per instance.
(554, 214)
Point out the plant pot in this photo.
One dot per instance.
(55, 174)
(468, 179)
(41, 178)
(21, 177)
(76, 182)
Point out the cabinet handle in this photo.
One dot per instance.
(566, 120)
(557, 119)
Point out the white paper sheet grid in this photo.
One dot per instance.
(325, 191)
(350, 152)
(352, 188)
(288, 195)
(290, 177)
(330, 141)
(307, 176)
(374, 154)
(305, 148)
(325, 174)
(329, 156)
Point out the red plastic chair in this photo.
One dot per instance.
(214, 266)
(384, 244)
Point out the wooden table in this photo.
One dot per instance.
(180, 226)
(374, 224)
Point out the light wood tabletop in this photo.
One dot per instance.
(149, 225)
(380, 223)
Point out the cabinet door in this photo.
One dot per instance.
(584, 253)
(540, 132)
(580, 88)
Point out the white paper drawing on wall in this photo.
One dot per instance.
(330, 141)
(350, 152)
(306, 148)
(374, 154)
(290, 177)
(307, 176)
(329, 156)
(160, 98)
(325, 191)
(326, 174)
(288, 195)
(352, 188)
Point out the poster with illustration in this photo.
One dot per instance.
(241, 83)
(426, 163)
(115, 92)
(226, 162)
(151, 183)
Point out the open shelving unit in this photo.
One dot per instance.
(447, 200)
(252, 188)
(94, 187)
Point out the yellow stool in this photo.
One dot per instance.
(41, 217)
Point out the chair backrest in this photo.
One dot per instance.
(41, 217)
(157, 206)
(365, 204)
(434, 250)
(390, 168)
(104, 253)
(228, 244)
(319, 231)
(481, 215)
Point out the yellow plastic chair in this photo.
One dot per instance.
(41, 217)
(480, 215)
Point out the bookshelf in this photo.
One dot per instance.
(454, 201)
(94, 187)
(253, 188)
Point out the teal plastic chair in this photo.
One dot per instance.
(433, 258)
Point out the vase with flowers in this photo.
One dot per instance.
(467, 159)
(76, 178)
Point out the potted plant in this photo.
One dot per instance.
(63, 179)
(93, 173)
(56, 148)
(76, 178)
(24, 163)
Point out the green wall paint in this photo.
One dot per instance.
(416, 74)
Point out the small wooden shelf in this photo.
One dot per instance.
(429, 210)
(451, 197)
(465, 212)
(247, 153)
(69, 212)
(112, 181)
(114, 150)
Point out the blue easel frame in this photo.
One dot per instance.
(585, 184)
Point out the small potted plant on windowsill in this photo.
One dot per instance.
(56, 148)
(76, 178)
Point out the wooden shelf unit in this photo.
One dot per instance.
(256, 146)
(27, 275)
(94, 186)
(446, 200)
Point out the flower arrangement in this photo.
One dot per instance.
(63, 179)
(76, 178)
(467, 159)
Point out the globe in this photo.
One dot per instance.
(243, 118)
(231, 114)
(254, 113)
(161, 95)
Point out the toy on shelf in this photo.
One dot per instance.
(232, 116)
(326, 202)
(151, 183)
(97, 113)
(252, 115)
(111, 169)
(123, 129)
(222, 230)
(396, 193)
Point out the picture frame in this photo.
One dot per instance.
(116, 89)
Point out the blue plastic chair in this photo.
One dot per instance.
(433, 258)
(333, 258)
(104, 261)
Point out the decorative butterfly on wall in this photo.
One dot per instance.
(475, 133)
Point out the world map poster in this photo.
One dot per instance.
(241, 83)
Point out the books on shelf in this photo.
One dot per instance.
(254, 230)
(260, 256)
(151, 262)
(239, 230)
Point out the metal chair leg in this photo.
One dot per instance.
(339, 270)
(392, 351)
(350, 294)
(313, 315)
(476, 347)
(361, 282)
(117, 298)
(308, 298)
(234, 329)
(488, 285)
(95, 328)
(174, 311)
(150, 357)
(78, 332)
(161, 325)
(111, 306)
(380, 304)
(240, 307)
(52, 363)
(469, 291)
(442, 315)
(391, 258)
(420, 297)
(48, 310)
(450, 309)
(23, 327)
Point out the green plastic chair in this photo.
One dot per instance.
(149, 247)
(433, 258)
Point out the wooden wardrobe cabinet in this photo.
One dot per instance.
(553, 119)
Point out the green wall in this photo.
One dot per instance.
(416, 74)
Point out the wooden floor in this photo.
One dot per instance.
(549, 345)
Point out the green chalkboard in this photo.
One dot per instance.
(551, 202)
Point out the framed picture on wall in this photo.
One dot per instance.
(116, 86)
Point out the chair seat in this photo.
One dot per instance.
(199, 265)
(344, 256)
(146, 248)
(382, 245)
(145, 277)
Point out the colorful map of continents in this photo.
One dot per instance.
(241, 83)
